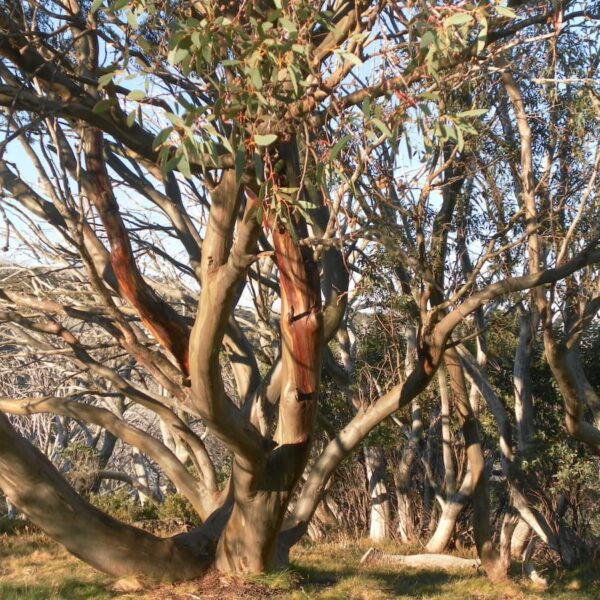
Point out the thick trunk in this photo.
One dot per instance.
(406, 518)
(509, 524)
(262, 490)
(447, 454)
(247, 544)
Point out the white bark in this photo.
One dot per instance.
(378, 490)
(441, 562)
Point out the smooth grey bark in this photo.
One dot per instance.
(447, 454)
(140, 469)
(446, 525)
(528, 322)
(410, 451)
(375, 466)
(520, 539)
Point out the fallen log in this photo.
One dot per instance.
(441, 562)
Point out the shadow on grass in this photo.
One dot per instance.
(400, 581)
(582, 583)
(69, 589)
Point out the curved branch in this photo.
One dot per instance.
(38, 490)
(195, 491)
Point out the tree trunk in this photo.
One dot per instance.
(450, 512)
(378, 491)
(141, 472)
(406, 518)
(261, 488)
(520, 539)
(481, 509)
(522, 384)
(509, 524)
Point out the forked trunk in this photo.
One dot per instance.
(379, 493)
(450, 512)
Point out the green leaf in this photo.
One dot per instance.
(136, 95)
(251, 214)
(118, 4)
(183, 166)
(132, 19)
(293, 78)
(96, 4)
(351, 58)
(102, 106)
(131, 118)
(287, 25)
(474, 112)
(382, 127)
(240, 162)
(175, 119)
(259, 167)
(262, 192)
(506, 12)
(256, 78)
(162, 137)
(482, 35)
(337, 147)
(458, 19)
(265, 140)
(428, 38)
(105, 79)
(178, 56)
(460, 142)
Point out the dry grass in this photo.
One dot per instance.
(34, 568)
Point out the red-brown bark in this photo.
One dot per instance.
(158, 316)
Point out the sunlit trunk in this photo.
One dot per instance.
(379, 519)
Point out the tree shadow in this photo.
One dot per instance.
(69, 589)
(398, 581)
(582, 583)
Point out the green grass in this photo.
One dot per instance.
(34, 568)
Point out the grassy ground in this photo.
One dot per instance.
(33, 568)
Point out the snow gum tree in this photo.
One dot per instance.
(189, 161)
